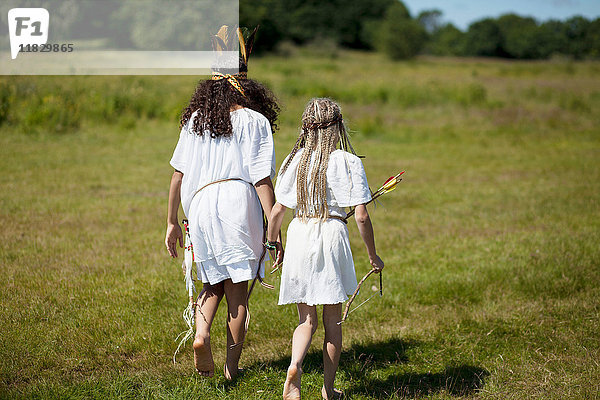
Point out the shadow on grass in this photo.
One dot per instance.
(462, 380)
(360, 361)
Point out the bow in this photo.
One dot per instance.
(347, 309)
(387, 187)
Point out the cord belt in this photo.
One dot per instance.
(344, 220)
(217, 181)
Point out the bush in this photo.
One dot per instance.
(6, 98)
(62, 104)
(53, 114)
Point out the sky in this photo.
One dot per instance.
(462, 12)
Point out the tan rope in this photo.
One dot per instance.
(217, 181)
(344, 220)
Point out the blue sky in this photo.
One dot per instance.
(462, 12)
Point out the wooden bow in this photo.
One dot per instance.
(351, 299)
(387, 187)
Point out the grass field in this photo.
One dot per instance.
(491, 286)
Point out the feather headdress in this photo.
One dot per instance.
(224, 41)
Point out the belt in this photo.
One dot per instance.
(344, 220)
(217, 181)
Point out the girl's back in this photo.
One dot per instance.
(318, 264)
(318, 181)
(346, 183)
(225, 217)
(248, 154)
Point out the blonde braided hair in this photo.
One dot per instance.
(321, 132)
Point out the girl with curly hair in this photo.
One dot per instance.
(224, 162)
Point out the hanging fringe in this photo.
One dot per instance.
(189, 312)
(188, 317)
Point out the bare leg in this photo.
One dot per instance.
(332, 348)
(300, 345)
(236, 295)
(208, 302)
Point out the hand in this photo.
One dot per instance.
(277, 255)
(376, 263)
(174, 234)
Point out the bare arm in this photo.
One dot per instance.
(174, 232)
(274, 230)
(363, 221)
(275, 222)
(266, 195)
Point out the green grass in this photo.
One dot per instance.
(492, 275)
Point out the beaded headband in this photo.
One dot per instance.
(232, 79)
(224, 40)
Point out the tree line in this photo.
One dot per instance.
(388, 26)
(382, 25)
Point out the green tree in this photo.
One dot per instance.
(552, 39)
(592, 39)
(341, 21)
(575, 31)
(265, 13)
(484, 38)
(447, 41)
(399, 36)
(520, 36)
(430, 20)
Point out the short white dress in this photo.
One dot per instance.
(317, 264)
(225, 219)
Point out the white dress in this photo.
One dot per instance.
(317, 264)
(225, 219)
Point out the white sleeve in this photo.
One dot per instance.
(285, 187)
(347, 178)
(179, 161)
(260, 159)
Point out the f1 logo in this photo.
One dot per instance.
(28, 26)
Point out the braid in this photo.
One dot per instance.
(302, 178)
(322, 129)
(345, 140)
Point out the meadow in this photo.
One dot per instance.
(491, 287)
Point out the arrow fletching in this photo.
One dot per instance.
(389, 185)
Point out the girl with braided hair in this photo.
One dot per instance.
(318, 180)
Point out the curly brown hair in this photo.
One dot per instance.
(214, 99)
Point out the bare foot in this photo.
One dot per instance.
(203, 356)
(291, 388)
(337, 394)
(229, 376)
